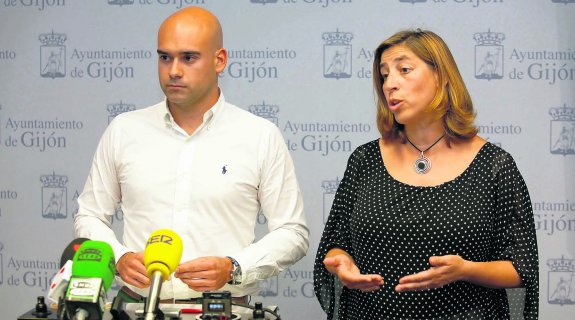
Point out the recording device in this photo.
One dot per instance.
(217, 305)
(60, 281)
(161, 257)
(93, 271)
(213, 305)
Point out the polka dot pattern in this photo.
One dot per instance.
(391, 228)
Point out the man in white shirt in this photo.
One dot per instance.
(199, 166)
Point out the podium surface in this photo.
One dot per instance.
(132, 310)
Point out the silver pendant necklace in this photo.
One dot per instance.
(423, 164)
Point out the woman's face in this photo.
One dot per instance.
(409, 85)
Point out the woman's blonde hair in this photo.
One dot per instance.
(452, 102)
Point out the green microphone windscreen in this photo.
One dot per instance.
(95, 259)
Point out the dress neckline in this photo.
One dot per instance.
(445, 183)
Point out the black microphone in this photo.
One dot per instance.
(71, 249)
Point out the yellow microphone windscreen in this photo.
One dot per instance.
(163, 252)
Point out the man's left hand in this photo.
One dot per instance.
(205, 273)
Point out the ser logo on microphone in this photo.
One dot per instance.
(162, 238)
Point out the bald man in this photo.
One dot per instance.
(199, 166)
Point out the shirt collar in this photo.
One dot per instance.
(209, 116)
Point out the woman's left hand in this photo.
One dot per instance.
(444, 270)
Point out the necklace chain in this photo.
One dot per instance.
(431, 146)
(423, 164)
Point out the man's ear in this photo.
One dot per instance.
(221, 60)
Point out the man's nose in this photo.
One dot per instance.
(175, 69)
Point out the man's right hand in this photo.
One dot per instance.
(341, 264)
(132, 270)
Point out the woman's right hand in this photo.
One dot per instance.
(341, 264)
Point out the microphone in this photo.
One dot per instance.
(61, 279)
(161, 257)
(71, 249)
(93, 271)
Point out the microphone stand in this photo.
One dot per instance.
(153, 299)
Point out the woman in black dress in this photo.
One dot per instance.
(430, 221)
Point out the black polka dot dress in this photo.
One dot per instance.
(391, 228)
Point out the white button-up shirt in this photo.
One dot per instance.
(208, 187)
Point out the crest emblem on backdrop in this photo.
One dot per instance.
(52, 55)
(562, 135)
(269, 287)
(337, 54)
(329, 190)
(54, 196)
(266, 111)
(115, 109)
(489, 55)
(561, 282)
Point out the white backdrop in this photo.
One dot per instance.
(67, 67)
